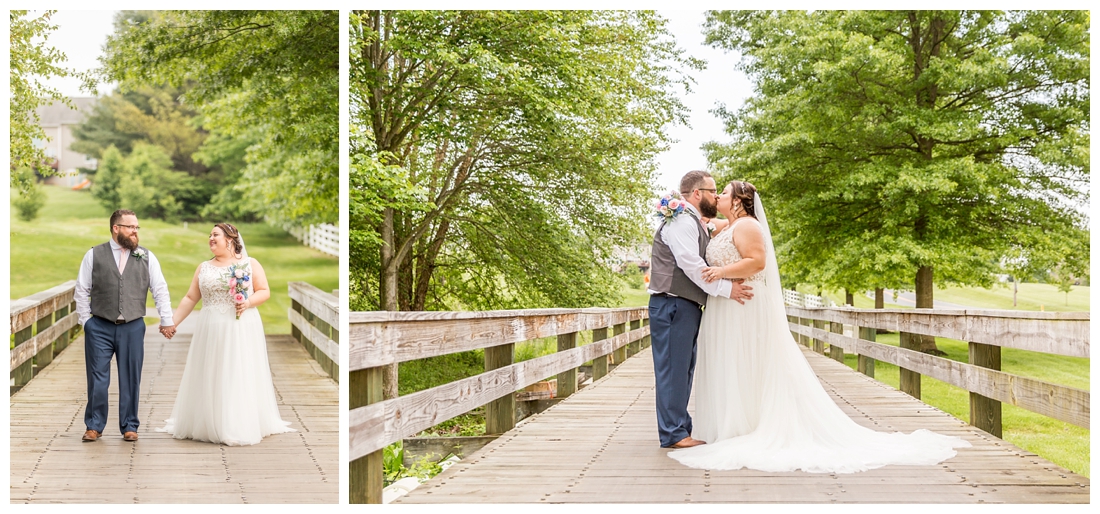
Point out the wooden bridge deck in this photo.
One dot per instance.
(50, 464)
(600, 446)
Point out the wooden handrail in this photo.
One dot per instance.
(50, 316)
(25, 311)
(314, 318)
(378, 339)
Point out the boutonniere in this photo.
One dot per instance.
(668, 207)
(139, 253)
(710, 227)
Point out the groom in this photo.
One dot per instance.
(114, 281)
(677, 295)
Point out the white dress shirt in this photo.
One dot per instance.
(157, 285)
(682, 237)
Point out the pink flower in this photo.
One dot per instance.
(239, 273)
(232, 283)
(673, 204)
(239, 298)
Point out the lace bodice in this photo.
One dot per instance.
(214, 286)
(721, 250)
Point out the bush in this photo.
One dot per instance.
(28, 203)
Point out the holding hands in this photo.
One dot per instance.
(168, 331)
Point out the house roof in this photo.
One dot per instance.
(58, 113)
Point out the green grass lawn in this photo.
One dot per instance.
(47, 252)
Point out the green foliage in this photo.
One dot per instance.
(32, 61)
(393, 467)
(633, 276)
(268, 76)
(145, 183)
(875, 160)
(515, 151)
(31, 200)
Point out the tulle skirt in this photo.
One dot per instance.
(226, 395)
(759, 405)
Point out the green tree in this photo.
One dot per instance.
(530, 135)
(145, 183)
(269, 74)
(31, 61)
(917, 147)
(108, 178)
(27, 203)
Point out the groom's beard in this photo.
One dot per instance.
(129, 243)
(708, 209)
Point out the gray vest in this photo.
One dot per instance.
(115, 294)
(665, 276)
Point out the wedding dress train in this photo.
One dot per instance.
(226, 395)
(758, 403)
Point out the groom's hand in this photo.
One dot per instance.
(168, 331)
(740, 292)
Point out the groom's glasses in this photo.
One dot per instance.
(712, 191)
(131, 227)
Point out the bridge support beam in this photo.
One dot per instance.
(500, 414)
(599, 364)
(365, 473)
(985, 413)
(567, 380)
(836, 352)
(865, 364)
(909, 381)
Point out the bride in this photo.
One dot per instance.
(226, 395)
(758, 403)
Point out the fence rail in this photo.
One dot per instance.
(324, 237)
(42, 325)
(314, 318)
(986, 331)
(378, 339)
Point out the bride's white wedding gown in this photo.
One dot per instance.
(226, 395)
(759, 405)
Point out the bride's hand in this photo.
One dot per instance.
(710, 274)
(242, 306)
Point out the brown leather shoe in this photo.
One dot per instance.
(129, 436)
(90, 436)
(687, 442)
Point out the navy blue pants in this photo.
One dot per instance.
(102, 340)
(673, 327)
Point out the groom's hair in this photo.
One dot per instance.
(117, 215)
(692, 181)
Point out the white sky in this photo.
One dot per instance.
(80, 35)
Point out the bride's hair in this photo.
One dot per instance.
(232, 236)
(745, 192)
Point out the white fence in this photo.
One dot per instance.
(797, 299)
(324, 237)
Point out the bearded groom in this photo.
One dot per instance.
(112, 286)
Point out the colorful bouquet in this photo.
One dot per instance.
(238, 282)
(668, 207)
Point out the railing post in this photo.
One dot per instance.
(567, 380)
(599, 364)
(25, 371)
(635, 346)
(62, 340)
(836, 352)
(620, 353)
(819, 345)
(645, 340)
(45, 355)
(985, 413)
(500, 414)
(909, 381)
(865, 364)
(805, 339)
(365, 473)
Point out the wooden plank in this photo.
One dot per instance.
(567, 380)
(835, 351)
(985, 412)
(500, 414)
(378, 339)
(365, 473)
(1056, 401)
(26, 311)
(908, 379)
(323, 305)
(865, 364)
(1058, 333)
(326, 346)
(819, 345)
(599, 364)
(32, 346)
(372, 427)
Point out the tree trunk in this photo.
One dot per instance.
(927, 343)
(389, 295)
(880, 303)
(849, 298)
(1015, 288)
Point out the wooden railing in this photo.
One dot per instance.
(43, 324)
(378, 339)
(314, 316)
(986, 331)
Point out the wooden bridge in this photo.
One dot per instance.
(599, 444)
(50, 464)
